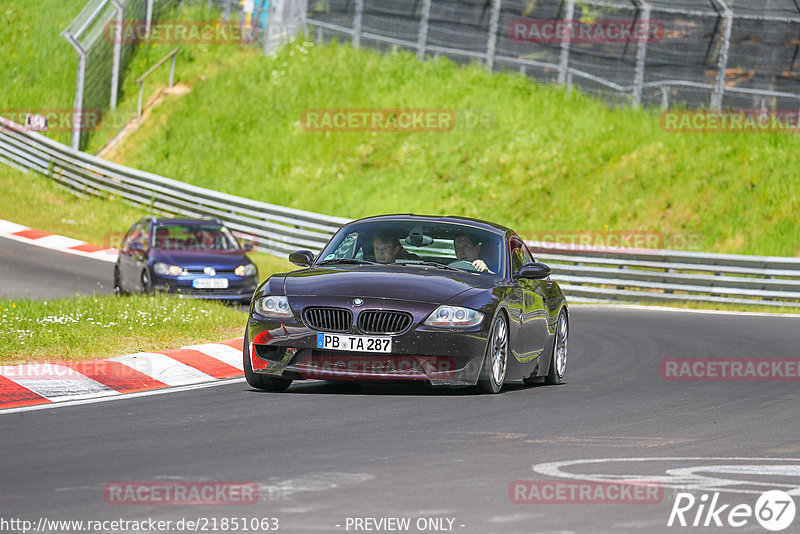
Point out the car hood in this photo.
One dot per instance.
(220, 260)
(390, 282)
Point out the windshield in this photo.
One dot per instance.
(432, 243)
(208, 237)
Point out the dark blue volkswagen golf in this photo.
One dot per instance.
(193, 258)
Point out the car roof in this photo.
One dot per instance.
(475, 223)
(170, 220)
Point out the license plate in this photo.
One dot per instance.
(353, 343)
(210, 283)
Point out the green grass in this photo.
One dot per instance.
(38, 65)
(105, 326)
(553, 160)
(36, 201)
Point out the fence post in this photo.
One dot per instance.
(357, 16)
(226, 10)
(149, 16)
(641, 55)
(722, 63)
(117, 54)
(77, 106)
(422, 39)
(491, 44)
(563, 63)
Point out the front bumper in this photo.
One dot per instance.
(239, 288)
(438, 356)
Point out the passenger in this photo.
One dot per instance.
(468, 250)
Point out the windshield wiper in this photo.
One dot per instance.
(350, 261)
(433, 264)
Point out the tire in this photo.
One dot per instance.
(558, 362)
(118, 291)
(147, 282)
(495, 362)
(262, 382)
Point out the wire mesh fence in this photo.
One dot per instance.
(694, 53)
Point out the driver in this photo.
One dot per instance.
(468, 250)
(386, 247)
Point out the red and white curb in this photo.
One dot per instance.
(60, 243)
(46, 383)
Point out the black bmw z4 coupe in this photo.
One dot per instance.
(447, 300)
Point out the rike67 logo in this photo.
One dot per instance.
(774, 510)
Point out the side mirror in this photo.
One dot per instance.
(301, 258)
(534, 271)
(248, 247)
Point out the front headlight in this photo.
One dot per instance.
(273, 307)
(164, 269)
(454, 316)
(245, 270)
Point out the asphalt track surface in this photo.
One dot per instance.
(322, 452)
(28, 271)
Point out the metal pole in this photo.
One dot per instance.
(172, 71)
(139, 108)
(722, 64)
(226, 10)
(77, 107)
(422, 38)
(491, 43)
(563, 63)
(268, 29)
(359, 13)
(117, 54)
(665, 98)
(149, 17)
(641, 55)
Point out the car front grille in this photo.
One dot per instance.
(384, 322)
(328, 319)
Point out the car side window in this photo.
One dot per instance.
(138, 234)
(520, 255)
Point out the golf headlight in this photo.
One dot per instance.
(245, 270)
(273, 307)
(164, 269)
(454, 316)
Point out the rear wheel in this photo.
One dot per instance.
(117, 283)
(558, 363)
(258, 381)
(495, 362)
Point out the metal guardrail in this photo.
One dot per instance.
(274, 229)
(585, 273)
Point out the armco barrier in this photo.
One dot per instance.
(588, 273)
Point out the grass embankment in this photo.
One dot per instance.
(553, 160)
(91, 327)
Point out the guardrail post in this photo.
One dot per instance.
(664, 98)
(491, 42)
(77, 107)
(722, 63)
(117, 53)
(422, 38)
(641, 55)
(226, 10)
(563, 63)
(172, 71)
(357, 19)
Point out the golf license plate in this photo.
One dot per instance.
(210, 283)
(353, 343)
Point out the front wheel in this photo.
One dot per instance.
(258, 381)
(118, 291)
(147, 283)
(495, 362)
(558, 363)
